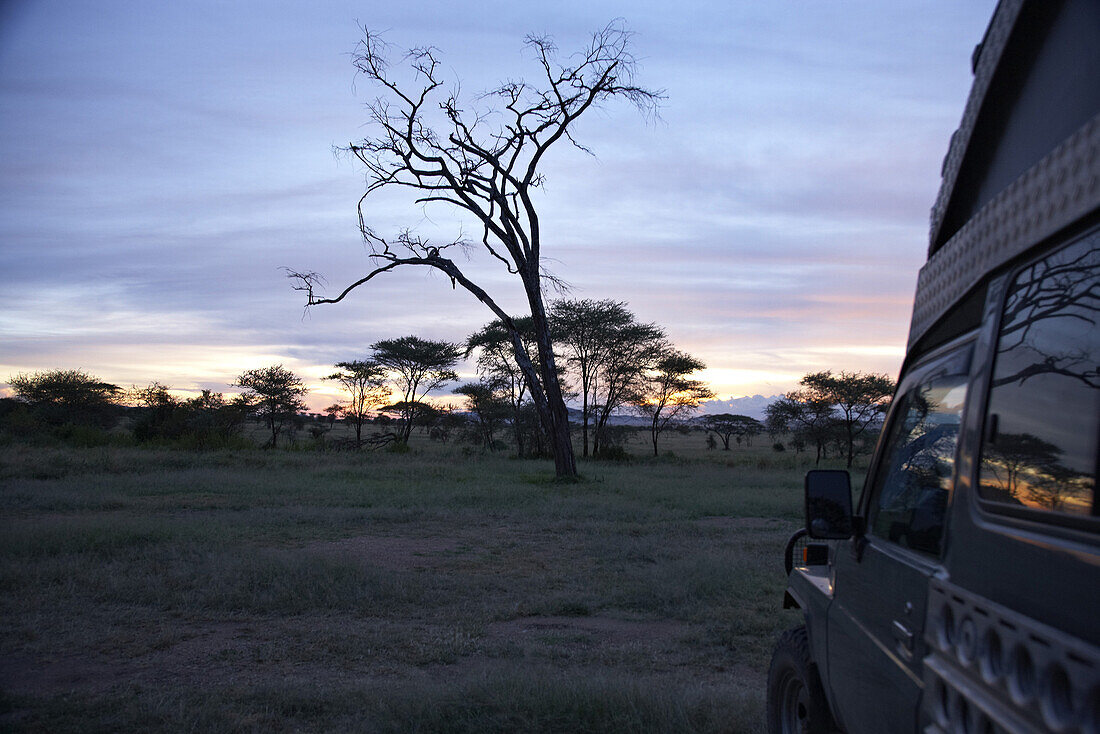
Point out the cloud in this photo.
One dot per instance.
(162, 164)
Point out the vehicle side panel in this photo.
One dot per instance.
(811, 589)
(1007, 558)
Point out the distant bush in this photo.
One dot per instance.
(86, 437)
(777, 446)
(58, 398)
(612, 453)
(17, 420)
(205, 422)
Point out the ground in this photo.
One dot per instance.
(438, 590)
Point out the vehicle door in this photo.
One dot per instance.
(876, 618)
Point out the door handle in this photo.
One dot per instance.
(904, 637)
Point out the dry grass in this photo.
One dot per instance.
(429, 591)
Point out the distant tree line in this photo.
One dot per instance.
(609, 364)
(73, 406)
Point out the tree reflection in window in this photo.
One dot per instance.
(1044, 405)
(913, 483)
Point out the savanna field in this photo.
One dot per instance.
(438, 590)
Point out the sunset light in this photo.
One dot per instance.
(161, 167)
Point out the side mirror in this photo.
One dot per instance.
(829, 504)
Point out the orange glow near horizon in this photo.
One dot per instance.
(217, 369)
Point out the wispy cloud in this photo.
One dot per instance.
(161, 166)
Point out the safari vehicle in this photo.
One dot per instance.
(962, 592)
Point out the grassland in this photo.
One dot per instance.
(435, 591)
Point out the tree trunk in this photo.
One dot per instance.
(554, 413)
(597, 431)
(584, 419)
(851, 444)
(517, 428)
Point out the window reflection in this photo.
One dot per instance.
(914, 482)
(1041, 428)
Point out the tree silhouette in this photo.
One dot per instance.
(67, 396)
(587, 333)
(727, 426)
(1054, 485)
(274, 395)
(1011, 455)
(667, 393)
(860, 399)
(806, 416)
(1058, 293)
(1025, 469)
(484, 159)
(364, 382)
(488, 406)
(417, 367)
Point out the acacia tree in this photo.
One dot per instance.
(632, 350)
(727, 426)
(333, 412)
(485, 159)
(417, 367)
(365, 384)
(669, 393)
(860, 399)
(1010, 456)
(585, 332)
(805, 417)
(274, 395)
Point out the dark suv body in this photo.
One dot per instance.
(962, 592)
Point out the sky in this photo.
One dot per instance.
(161, 162)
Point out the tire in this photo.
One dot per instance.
(796, 700)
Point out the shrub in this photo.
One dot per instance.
(612, 453)
(61, 397)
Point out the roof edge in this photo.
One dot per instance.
(987, 60)
(1063, 187)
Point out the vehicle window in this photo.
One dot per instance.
(913, 483)
(1041, 429)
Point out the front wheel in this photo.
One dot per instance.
(796, 701)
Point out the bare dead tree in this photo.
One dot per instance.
(485, 162)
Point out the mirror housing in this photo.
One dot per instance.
(829, 505)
